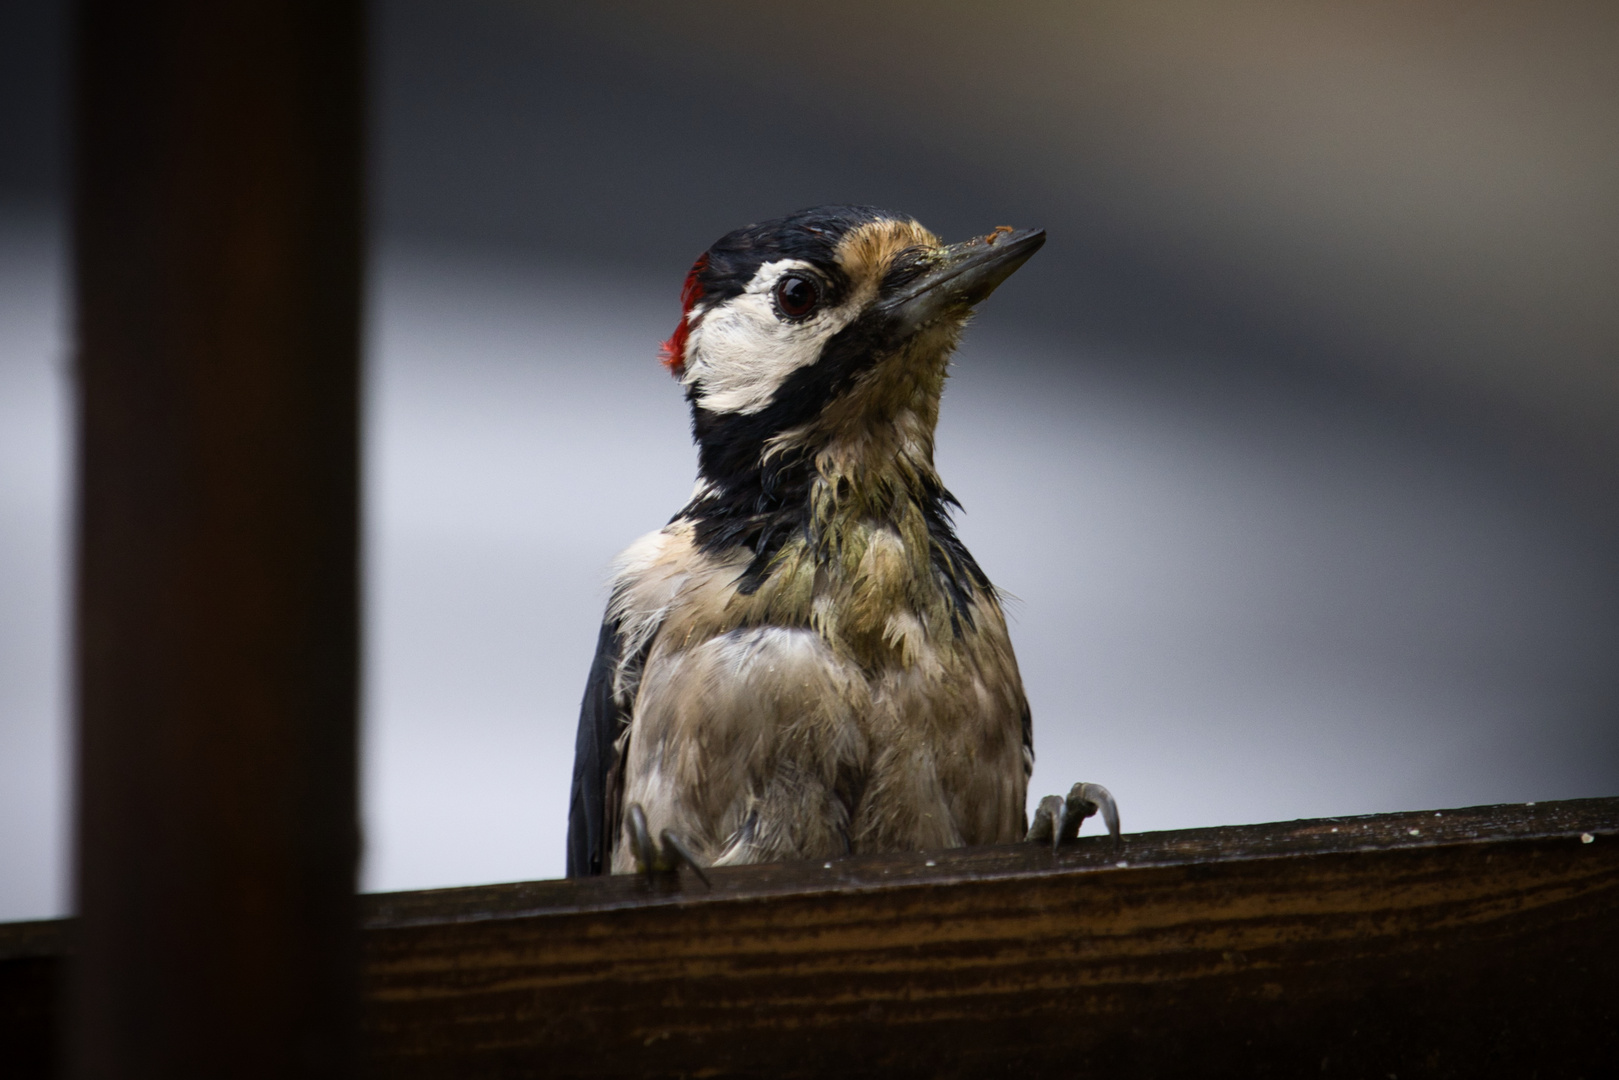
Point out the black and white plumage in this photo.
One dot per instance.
(806, 661)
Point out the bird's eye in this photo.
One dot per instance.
(797, 295)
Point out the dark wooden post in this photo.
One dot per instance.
(218, 257)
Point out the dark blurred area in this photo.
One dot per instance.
(1299, 441)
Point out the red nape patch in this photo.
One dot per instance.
(672, 353)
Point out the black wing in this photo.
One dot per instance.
(592, 808)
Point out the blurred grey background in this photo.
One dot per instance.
(1298, 443)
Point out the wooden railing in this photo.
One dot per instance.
(1453, 943)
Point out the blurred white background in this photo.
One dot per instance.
(1232, 605)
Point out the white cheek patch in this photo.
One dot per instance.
(740, 352)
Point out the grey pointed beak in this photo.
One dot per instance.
(952, 279)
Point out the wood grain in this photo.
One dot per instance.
(1456, 944)
(1484, 936)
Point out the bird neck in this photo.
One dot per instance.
(878, 474)
(853, 539)
(881, 477)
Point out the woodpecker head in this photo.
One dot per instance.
(825, 335)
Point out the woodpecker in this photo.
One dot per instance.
(806, 661)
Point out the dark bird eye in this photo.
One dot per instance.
(796, 296)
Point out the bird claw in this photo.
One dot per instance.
(1047, 822)
(1058, 819)
(664, 857)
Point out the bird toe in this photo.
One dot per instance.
(1058, 820)
(663, 857)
